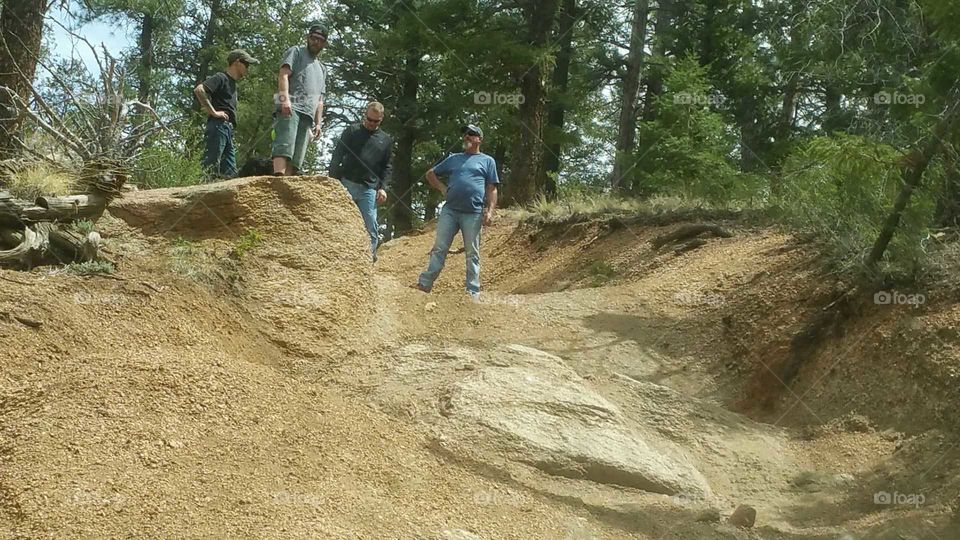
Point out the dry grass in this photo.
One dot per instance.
(585, 208)
(29, 180)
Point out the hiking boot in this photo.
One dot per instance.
(419, 287)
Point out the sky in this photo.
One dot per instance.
(63, 45)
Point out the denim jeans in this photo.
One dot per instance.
(448, 224)
(219, 156)
(366, 199)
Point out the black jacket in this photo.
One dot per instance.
(363, 156)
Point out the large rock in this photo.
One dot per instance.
(544, 414)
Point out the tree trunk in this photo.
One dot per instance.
(557, 108)
(145, 73)
(209, 37)
(750, 139)
(912, 173)
(527, 159)
(833, 113)
(627, 124)
(708, 45)
(783, 132)
(21, 30)
(948, 203)
(500, 156)
(662, 43)
(407, 111)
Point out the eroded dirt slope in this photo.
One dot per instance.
(248, 373)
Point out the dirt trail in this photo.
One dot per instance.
(294, 391)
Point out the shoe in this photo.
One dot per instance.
(475, 296)
(419, 287)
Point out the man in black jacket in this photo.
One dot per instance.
(361, 161)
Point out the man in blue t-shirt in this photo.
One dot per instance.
(470, 202)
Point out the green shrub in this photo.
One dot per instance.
(842, 188)
(163, 166)
(250, 239)
(90, 268)
(687, 150)
(601, 272)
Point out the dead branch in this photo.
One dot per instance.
(687, 232)
(690, 246)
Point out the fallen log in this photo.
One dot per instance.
(32, 233)
(17, 213)
(88, 206)
(36, 242)
(687, 232)
(11, 209)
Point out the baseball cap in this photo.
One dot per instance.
(316, 29)
(242, 55)
(473, 128)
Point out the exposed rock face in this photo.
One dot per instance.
(543, 414)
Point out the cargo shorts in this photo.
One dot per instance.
(291, 136)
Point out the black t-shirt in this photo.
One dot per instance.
(223, 94)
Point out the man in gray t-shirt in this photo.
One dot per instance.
(302, 82)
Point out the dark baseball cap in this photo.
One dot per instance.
(242, 55)
(472, 128)
(318, 30)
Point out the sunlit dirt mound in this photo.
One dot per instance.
(248, 372)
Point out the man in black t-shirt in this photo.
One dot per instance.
(218, 97)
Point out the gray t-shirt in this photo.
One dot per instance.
(308, 82)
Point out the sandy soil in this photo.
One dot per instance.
(204, 393)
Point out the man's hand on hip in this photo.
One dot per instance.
(381, 196)
(220, 115)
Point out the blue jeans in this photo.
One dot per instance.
(448, 224)
(219, 156)
(366, 199)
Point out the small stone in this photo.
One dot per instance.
(430, 306)
(743, 516)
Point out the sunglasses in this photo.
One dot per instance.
(472, 133)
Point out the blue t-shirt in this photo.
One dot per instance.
(469, 174)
